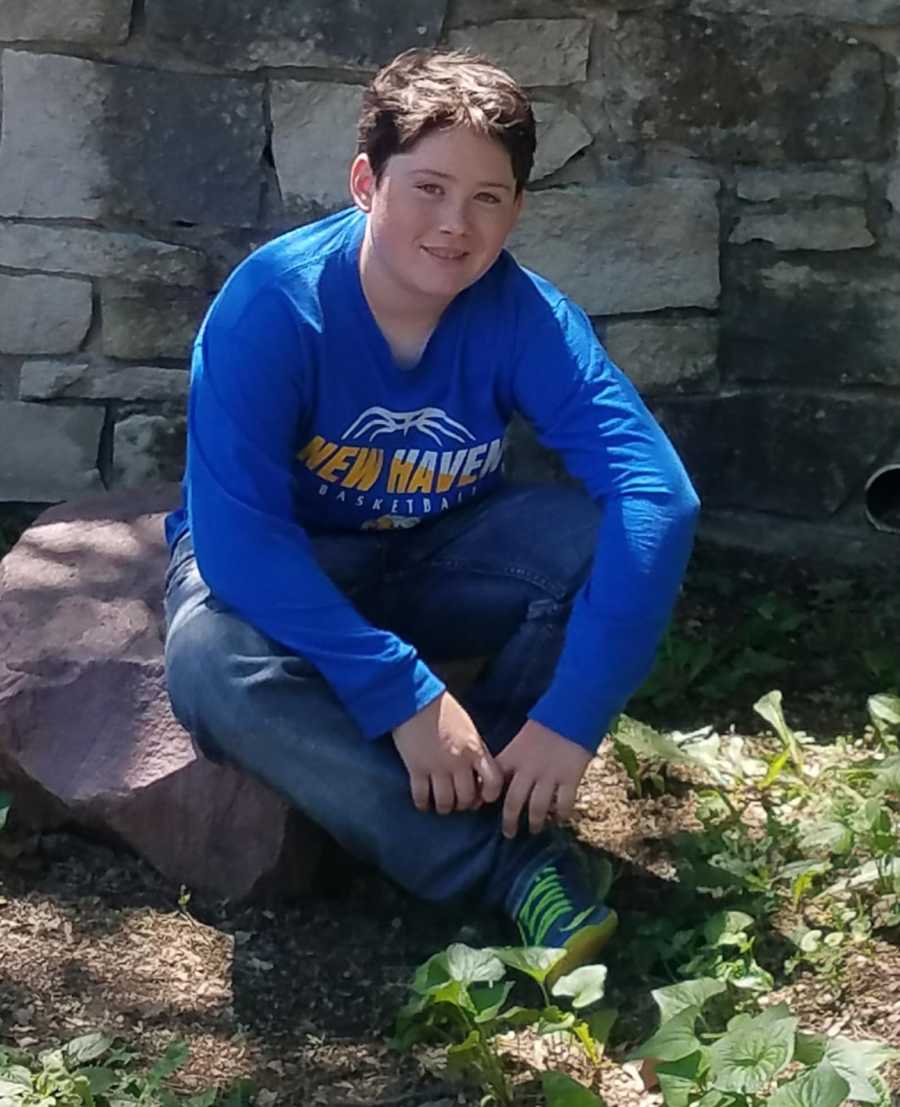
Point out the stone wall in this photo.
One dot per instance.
(716, 184)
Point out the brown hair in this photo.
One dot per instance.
(426, 90)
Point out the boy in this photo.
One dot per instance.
(345, 521)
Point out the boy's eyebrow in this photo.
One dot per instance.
(450, 177)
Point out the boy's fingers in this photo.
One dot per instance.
(565, 802)
(444, 797)
(418, 785)
(464, 785)
(516, 798)
(492, 779)
(541, 798)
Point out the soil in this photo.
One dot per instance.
(300, 996)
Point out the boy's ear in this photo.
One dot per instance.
(362, 182)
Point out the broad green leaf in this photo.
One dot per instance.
(886, 781)
(18, 1076)
(465, 1059)
(828, 835)
(582, 1032)
(857, 1063)
(722, 929)
(87, 1048)
(884, 711)
(562, 1091)
(769, 707)
(554, 1019)
(471, 966)
(534, 961)
(674, 1039)
(431, 974)
(775, 769)
(649, 744)
(678, 1079)
(175, 1056)
(715, 1099)
(601, 1023)
(5, 804)
(205, 1098)
(822, 1087)
(809, 1049)
(100, 1078)
(488, 999)
(866, 875)
(585, 985)
(676, 998)
(744, 1060)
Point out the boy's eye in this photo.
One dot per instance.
(489, 197)
(430, 188)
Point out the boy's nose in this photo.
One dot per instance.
(454, 221)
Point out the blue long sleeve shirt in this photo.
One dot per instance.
(300, 421)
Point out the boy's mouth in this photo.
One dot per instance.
(443, 253)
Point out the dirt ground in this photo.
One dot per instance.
(300, 997)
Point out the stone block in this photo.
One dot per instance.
(618, 249)
(662, 355)
(10, 372)
(782, 451)
(150, 321)
(130, 257)
(878, 13)
(560, 135)
(832, 325)
(755, 91)
(534, 51)
(300, 33)
(823, 228)
(148, 448)
(760, 186)
(59, 380)
(43, 315)
(49, 452)
(91, 141)
(314, 141)
(87, 736)
(87, 21)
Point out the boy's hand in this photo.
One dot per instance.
(446, 758)
(542, 769)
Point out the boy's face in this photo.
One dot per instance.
(439, 216)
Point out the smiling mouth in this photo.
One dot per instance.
(443, 254)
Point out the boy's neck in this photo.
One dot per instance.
(395, 307)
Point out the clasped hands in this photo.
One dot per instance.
(448, 763)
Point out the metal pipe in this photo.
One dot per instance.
(882, 497)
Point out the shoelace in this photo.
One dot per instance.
(545, 903)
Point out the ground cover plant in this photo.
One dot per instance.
(756, 863)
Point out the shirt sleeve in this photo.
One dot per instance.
(582, 405)
(247, 403)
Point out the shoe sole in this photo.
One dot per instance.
(583, 947)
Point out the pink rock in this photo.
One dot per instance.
(86, 732)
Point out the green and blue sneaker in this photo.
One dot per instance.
(558, 911)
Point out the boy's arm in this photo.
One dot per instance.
(583, 406)
(246, 406)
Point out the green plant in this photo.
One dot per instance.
(460, 1002)
(5, 805)
(707, 1055)
(72, 1076)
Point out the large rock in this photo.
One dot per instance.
(43, 315)
(835, 324)
(617, 248)
(150, 321)
(134, 144)
(130, 257)
(313, 142)
(86, 734)
(764, 90)
(875, 12)
(790, 452)
(560, 135)
(62, 380)
(148, 448)
(793, 185)
(49, 452)
(89, 21)
(663, 355)
(237, 35)
(534, 51)
(827, 227)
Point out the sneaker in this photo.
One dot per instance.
(557, 911)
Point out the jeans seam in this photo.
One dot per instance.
(500, 573)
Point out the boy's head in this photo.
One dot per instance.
(422, 91)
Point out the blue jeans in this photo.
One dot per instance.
(495, 578)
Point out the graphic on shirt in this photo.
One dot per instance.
(404, 483)
(429, 420)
